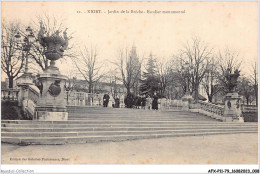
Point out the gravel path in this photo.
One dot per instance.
(215, 149)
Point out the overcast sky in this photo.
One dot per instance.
(221, 24)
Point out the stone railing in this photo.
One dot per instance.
(250, 113)
(249, 108)
(83, 99)
(175, 104)
(29, 98)
(33, 93)
(211, 110)
(9, 94)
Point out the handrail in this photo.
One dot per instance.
(33, 94)
(211, 109)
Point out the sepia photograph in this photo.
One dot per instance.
(128, 82)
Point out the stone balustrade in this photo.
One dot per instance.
(83, 99)
(249, 108)
(33, 93)
(210, 109)
(175, 104)
(9, 94)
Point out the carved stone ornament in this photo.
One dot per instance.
(229, 104)
(55, 89)
(237, 103)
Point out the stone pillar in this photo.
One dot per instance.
(51, 105)
(186, 102)
(23, 83)
(232, 110)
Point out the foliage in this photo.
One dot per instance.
(246, 89)
(150, 78)
(129, 66)
(89, 66)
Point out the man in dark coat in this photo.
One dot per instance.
(143, 102)
(105, 100)
(155, 102)
(139, 102)
(117, 103)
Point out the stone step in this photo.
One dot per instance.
(133, 119)
(96, 138)
(127, 112)
(96, 122)
(132, 116)
(82, 129)
(118, 122)
(137, 116)
(109, 112)
(52, 125)
(85, 133)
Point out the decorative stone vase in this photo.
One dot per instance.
(51, 105)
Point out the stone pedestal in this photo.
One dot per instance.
(232, 110)
(23, 83)
(51, 105)
(186, 102)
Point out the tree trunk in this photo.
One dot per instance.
(90, 87)
(11, 82)
(128, 90)
(210, 98)
(196, 93)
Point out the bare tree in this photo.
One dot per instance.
(229, 62)
(165, 74)
(197, 53)
(12, 58)
(113, 77)
(179, 82)
(130, 68)
(71, 82)
(89, 66)
(210, 80)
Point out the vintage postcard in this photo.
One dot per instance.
(129, 83)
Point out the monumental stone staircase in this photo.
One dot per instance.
(95, 124)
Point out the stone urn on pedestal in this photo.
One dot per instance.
(232, 109)
(51, 105)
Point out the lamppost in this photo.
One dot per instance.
(26, 79)
(26, 44)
